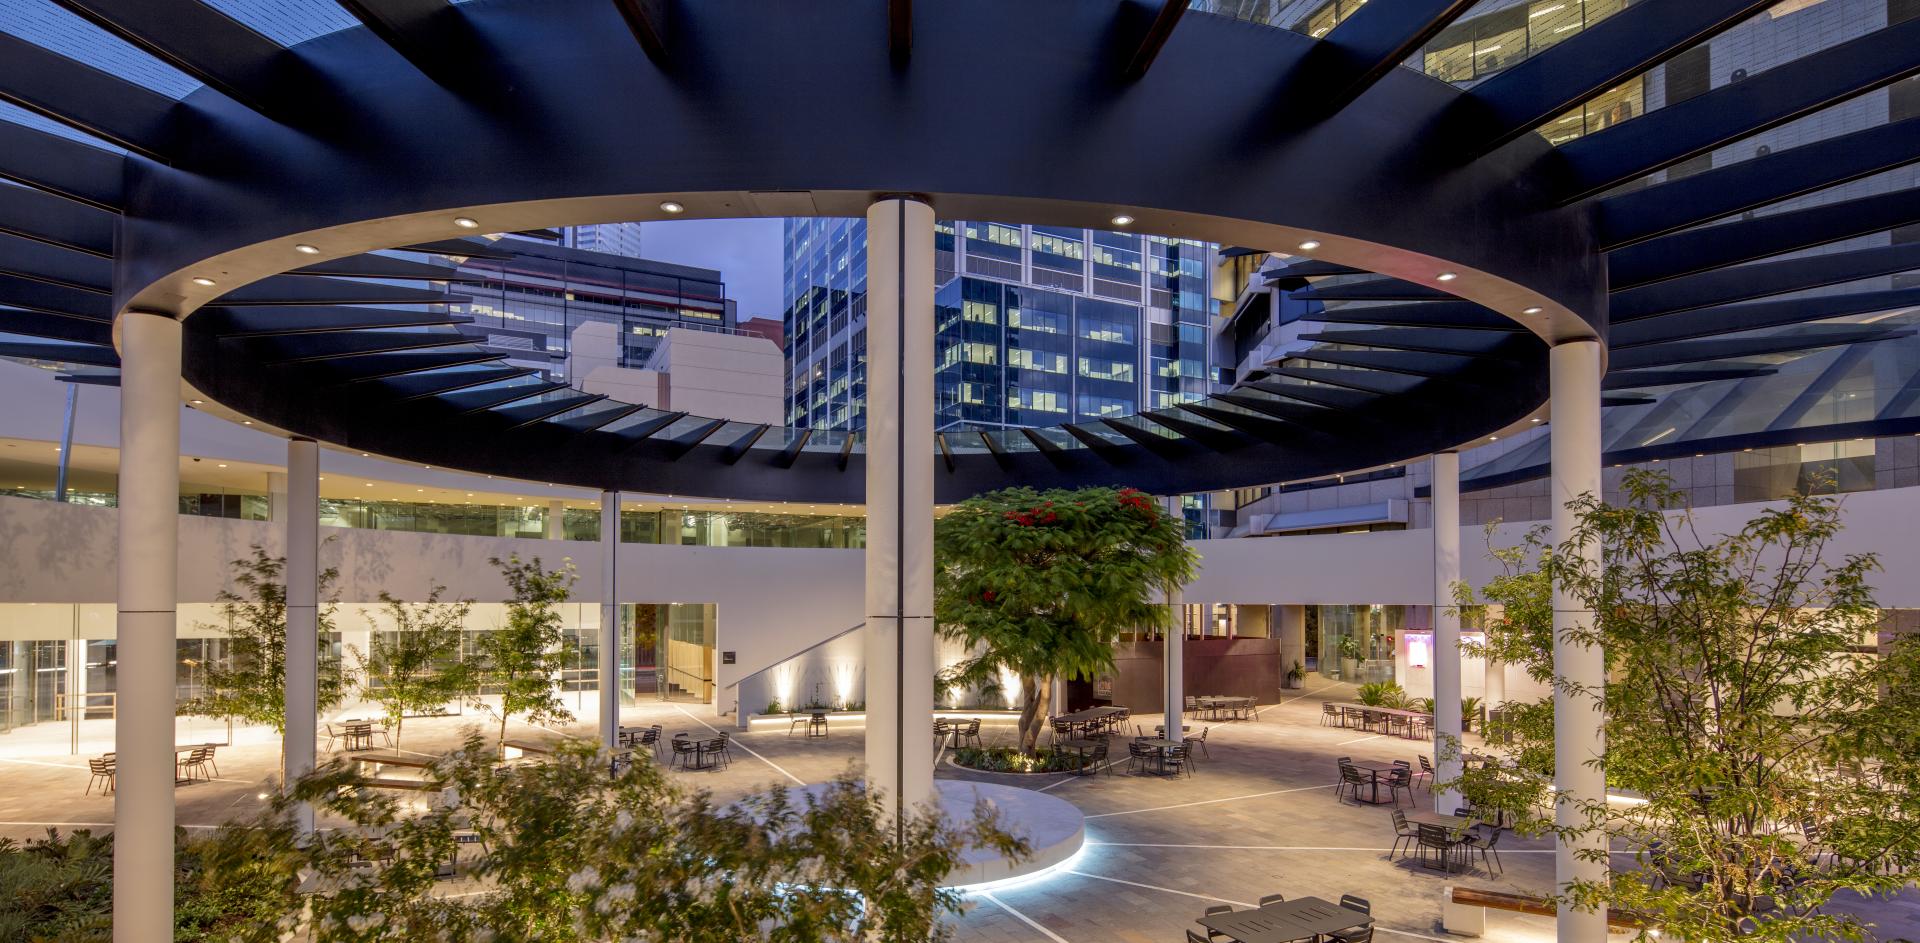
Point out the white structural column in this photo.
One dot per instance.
(303, 611)
(148, 567)
(609, 619)
(1290, 627)
(556, 520)
(1175, 659)
(1578, 735)
(1446, 627)
(899, 630)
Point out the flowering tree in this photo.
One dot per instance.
(1774, 757)
(574, 856)
(1043, 583)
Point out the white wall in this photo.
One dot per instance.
(724, 376)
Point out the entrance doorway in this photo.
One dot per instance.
(669, 654)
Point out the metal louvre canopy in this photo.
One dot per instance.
(339, 143)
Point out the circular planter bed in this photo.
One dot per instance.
(1010, 760)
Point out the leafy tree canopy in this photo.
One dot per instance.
(249, 684)
(1775, 752)
(523, 658)
(1042, 584)
(415, 668)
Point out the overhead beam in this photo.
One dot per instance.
(27, 258)
(1729, 319)
(1647, 379)
(642, 431)
(1746, 282)
(1669, 207)
(1155, 37)
(423, 385)
(303, 348)
(647, 19)
(1372, 381)
(1390, 361)
(42, 217)
(1463, 315)
(899, 31)
(591, 421)
(468, 402)
(84, 98)
(269, 320)
(1712, 247)
(292, 290)
(386, 266)
(1662, 138)
(61, 353)
(1379, 289)
(1420, 339)
(383, 366)
(1729, 348)
(202, 42)
(55, 327)
(49, 298)
(1535, 90)
(62, 167)
(527, 414)
(1368, 44)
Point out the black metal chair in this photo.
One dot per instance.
(1401, 778)
(684, 752)
(1350, 782)
(1484, 840)
(970, 733)
(1211, 911)
(1440, 840)
(1403, 833)
(1176, 760)
(1096, 761)
(1361, 934)
(1330, 715)
(1273, 899)
(1193, 937)
(1201, 739)
(1426, 772)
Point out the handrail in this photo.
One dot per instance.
(781, 661)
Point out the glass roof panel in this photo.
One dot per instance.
(42, 23)
(287, 22)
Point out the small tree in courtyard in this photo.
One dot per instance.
(1773, 759)
(523, 658)
(416, 667)
(1042, 584)
(250, 683)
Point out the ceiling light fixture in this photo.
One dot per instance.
(198, 402)
(221, 465)
(672, 207)
(305, 249)
(1493, 438)
(203, 281)
(1123, 220)
(1533, 420)
(1310, 245)
(1447, 276)
(466, 222)
(246, 422)
(1536, 309)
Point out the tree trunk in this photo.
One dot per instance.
(1027, 710)
(1036, 715)
(399, 726)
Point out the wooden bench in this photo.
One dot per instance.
(1463, 910)
(377, 760)
(416, 785)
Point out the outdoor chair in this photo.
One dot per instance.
(1483, 840)
(1217, 909)
(210, 761)
(1426, 772)
(650, 737)
(970, 733)
(1062, 730)
(1362, 934)
(1193, 937)
(1190, 705)
(684, 753)
(797, 721)
(1096, 760)
(1201, 739)
(1440, 840)
(726, 748)
(194, 764)
(1176, 759)
(1350, 781)
(1403, 833)
(942, 732)
(333, 736)
(102, 770)
(1138, 754)
(716, 747)
(1400, 779)
(1273, 899)
(1330, 715)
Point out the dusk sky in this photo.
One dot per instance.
(746, 251)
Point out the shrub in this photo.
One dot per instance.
(1382, 694)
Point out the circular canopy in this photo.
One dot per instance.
(520, 114)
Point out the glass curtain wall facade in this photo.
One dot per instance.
(535, 300)
(1036, 325)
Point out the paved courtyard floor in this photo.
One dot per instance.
(1257, 817)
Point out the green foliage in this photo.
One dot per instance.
(775, 707)
(1382, 694)
(1010, 760)
(1778, 762)
(249, 684)
(1350, 648)
(522, 658)
(1469, 710)
(574, 855)
(417, 668)
(60, 888)
(1043, 583)
(1296, 674)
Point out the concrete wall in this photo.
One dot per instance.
(724, 376)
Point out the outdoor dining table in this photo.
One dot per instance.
(1160, 746)
(1217, 703)
(1373, 769)
(1092, 716)
(358, 734)
(1387, 714)
(1285, 921)
(1456, 826)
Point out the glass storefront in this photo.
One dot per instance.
(1355, 644)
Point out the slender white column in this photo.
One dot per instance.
(899, 635)
(1446, 626)
(1175, 660)
(1578, 734)
(609, 619)
(556, 520)
(303, 611)
(276, 496)
(148, 570)
(1290, 627)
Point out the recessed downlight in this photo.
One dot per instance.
(203, 281)
(672, 207)
(1447, 276)
(1535, 309)
(198, 402)
(466, 222)
(1310, 245)
(1123, 220)
(305, 249)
